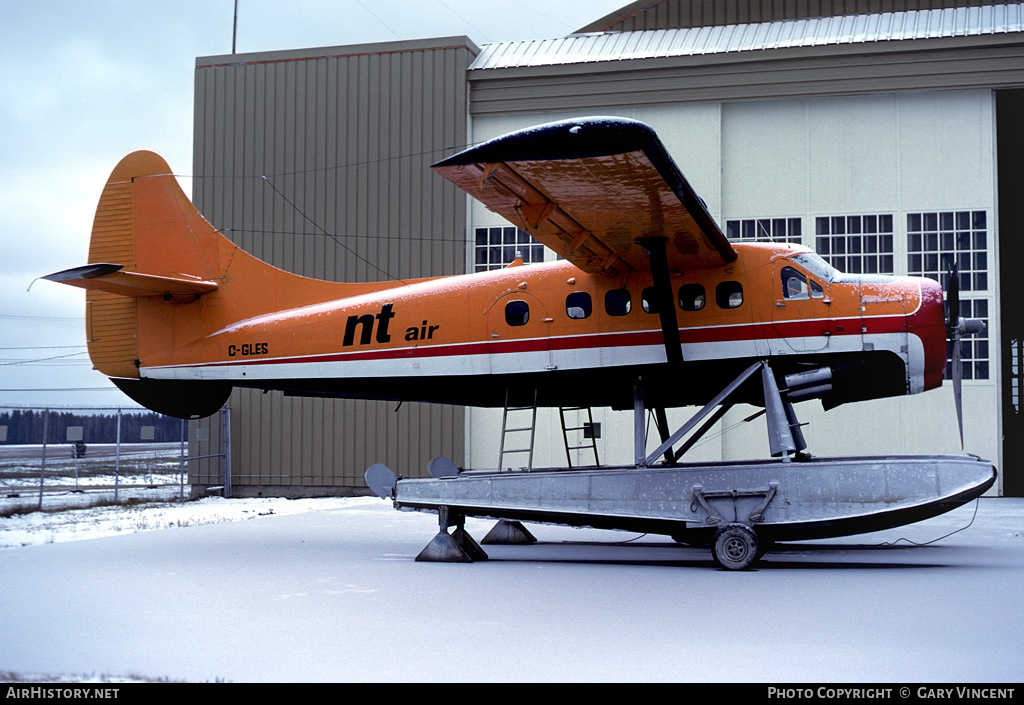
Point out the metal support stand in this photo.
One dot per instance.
(468, 544)
(457, 547)
(509, 533)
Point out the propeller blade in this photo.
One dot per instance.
(953, 335)
(958, 375)
(953, 302)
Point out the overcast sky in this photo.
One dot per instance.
(85, 82)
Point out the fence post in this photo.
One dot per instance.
(181, 463)
(226, 441)
(42, 466)
(117, 457)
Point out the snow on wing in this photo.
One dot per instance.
(590, 189)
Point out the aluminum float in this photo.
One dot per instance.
(738, 508)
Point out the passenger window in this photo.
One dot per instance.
(729, 295)
(617, 302)
(691, 297)
(577, 304)
(649, 300)
(794, 284)
(517, 313)
(816, 290)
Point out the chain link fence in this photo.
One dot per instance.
(54, 458)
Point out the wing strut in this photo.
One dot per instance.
(655, 247)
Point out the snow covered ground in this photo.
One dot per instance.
(250, 590)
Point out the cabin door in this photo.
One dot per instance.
(801, 315)
(518, 330)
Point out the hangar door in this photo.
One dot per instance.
(1010, 156)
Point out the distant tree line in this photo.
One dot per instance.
(26, 426)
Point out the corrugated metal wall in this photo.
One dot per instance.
(317, 161)
(668, 14)
(584, 74)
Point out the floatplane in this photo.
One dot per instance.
(649, 306)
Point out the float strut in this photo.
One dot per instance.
(699, 416)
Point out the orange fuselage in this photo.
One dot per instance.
(549, 320)
(177, 312)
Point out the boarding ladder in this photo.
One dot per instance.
(523, 420)
(588, 440)
(518, 414)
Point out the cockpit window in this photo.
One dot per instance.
(794, 284)
(813, 263)
(816, 290)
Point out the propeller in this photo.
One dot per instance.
(957, 328)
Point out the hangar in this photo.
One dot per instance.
(884, 134)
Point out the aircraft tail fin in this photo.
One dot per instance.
(161, 281)
(151, 255)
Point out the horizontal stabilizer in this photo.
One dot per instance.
(113, 279)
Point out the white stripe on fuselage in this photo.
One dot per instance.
(468, 364)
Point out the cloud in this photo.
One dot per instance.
(85, 83)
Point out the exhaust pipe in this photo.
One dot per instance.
(812, 384)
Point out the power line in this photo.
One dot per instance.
(42, 318)
(66, 389)
(405, 238)
(41, 359)
(45, 347)
(349, 165)
(324, 231)
(474, 28)
(546, 15)
(362, 5)
(46, 363)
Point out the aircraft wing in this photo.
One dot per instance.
(591, 189)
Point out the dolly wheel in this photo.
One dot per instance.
(735, 547)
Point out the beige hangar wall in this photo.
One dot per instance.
(809, 158)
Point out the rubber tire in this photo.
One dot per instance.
(735, 547)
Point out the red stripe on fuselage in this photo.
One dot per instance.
(717, 334)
